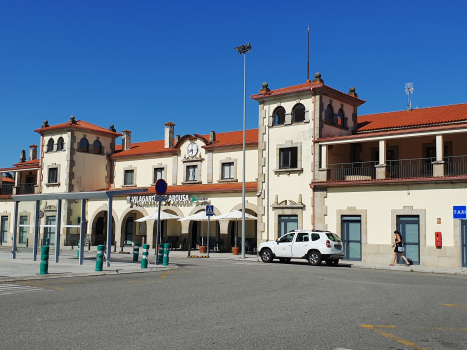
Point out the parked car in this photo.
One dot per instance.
(313, 245)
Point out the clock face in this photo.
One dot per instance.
(192, 149)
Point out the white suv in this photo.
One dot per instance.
(313, 245)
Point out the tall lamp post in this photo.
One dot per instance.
(242, 50)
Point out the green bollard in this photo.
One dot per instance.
(136, 251)
(165, 260)
(78, 248)
(144, 258)
(44, 260)
(100, 257)
(161, 253)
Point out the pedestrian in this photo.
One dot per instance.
(398, 249)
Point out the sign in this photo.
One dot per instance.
(438, 221)
(41, 214)
(459, 212)
(160, 198)
(178, 200)
(209, 210)
(161, 187)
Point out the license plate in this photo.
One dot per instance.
(338, 247)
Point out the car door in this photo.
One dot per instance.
(300, 246)
(284, 246)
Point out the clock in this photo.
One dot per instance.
(192, 149)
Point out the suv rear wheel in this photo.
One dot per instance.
(266, 255)
(314, 258)
(332, 262)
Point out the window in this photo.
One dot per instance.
(329, 114)
(288, 158)
(302, 237)
(4, 229)
(228, 171)
(60, 143)
(191, 172)
(97, 147)
(340, 118)
(298, 113)
(287, 223)
(315, 237)
(50, 145)
(129, 177)
(278, 116)
(53, 176)
(23, 231)
(158, 174)
(83, 145)
(287, 238)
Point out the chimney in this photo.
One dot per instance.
(169, 135)
(352, 92)
(22, 158)
(126, 140)
(212, 137)
(32, 152)
(177, 138)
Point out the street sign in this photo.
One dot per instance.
(41, 214)
(161, 187)
(209, 210)
(459, 212)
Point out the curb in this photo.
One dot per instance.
(458, 273)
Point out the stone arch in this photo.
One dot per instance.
(166, 226)
(124, 216)
(230, 225)
(93, 222)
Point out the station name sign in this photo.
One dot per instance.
(178, 200)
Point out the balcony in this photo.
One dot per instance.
(6, 189)
(27, 188)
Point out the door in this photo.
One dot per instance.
(284, 246)
(4, 229)
(287, 223)
(23, 231)
(194, 234)
(49, 232)
(301, 245)
(129, 231)
(464, 242)
(100, 231)
(352, 237)
(409, 227)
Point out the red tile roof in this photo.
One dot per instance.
(7, 180)
(222, 139)
(80, 124)
(202, 188)
(416, 118)
(28, 163)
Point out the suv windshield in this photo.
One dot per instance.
(333, 237)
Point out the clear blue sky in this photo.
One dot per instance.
(140, 64)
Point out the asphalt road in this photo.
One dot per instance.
(225, 304)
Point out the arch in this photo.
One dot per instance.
(50, 145)
(341, 118)
(329, 113)
(83, 145)
(278, 116)
(298, 113)
(148, 225)
(93, 224)
(60, 144)
(97, 147)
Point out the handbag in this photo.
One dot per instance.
(400, 249)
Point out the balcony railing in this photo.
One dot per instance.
(27, 188)
(352, 171)
(6, 189)
(403, 168)
(455, 166)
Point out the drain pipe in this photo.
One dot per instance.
(314, 154)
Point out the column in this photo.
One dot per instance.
(438, 164)
(323, 170)
(381, 166)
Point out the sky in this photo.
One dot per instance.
(140, 64)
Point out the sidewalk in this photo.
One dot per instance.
(23, 267)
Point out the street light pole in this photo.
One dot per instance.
(242, 50)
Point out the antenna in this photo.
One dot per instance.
(408, 91)
(308, 61)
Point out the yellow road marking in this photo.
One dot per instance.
(42, 285)
(454, 305)
(393, 337)
(427, 328)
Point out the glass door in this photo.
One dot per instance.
(129, 231)
(287, 224)
(23, 231)
(352, 237)
(49, 232)
(409, 227)
(464, 242)
(4, 229)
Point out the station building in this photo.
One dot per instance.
(313, 162)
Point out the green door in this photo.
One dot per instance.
(352, 237)
(409, 227)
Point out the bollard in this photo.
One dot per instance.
(161, 253)
(144, 258)
(44, 270)
(27, 242)
(100, 257)
(136, 251)
(121, 248)
(89, 245)
(165, 260)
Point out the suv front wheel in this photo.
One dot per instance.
(314, 258)
(266, 255)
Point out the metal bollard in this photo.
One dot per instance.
(89, 245)
(100, 257)
(136, 251)
(27, 242)
(189, 250)
(121, 248)
(44, 269)
(144, 258)
(161, 253)
(165, 260)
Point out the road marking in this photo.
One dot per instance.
(163, 276)
(6, 289)
(393, 337)
(41, 285)
(427, 328)
(459, 306)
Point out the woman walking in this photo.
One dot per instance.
(398, 249)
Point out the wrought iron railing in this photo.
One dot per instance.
(27, 188)
(357, 171)
(455, 166)
(6, 189)
(406, 168)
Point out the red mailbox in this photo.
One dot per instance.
(438, 239)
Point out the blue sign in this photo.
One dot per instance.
(209, 210)
(161, 187)
(460, 212)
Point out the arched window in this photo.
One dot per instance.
(50, 145)
(83, 145)
(340, 118)
(97, 147)
(298, 113)
(60, 144)
(329, 114)
(278, 116)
